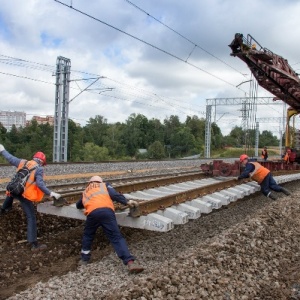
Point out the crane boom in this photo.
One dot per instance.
(271, 71)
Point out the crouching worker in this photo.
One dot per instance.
(262, 176)
(34, 191)
(97, 200)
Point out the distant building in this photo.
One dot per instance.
(44, 120)
(47, 119)
(10, 118)
(142, 151)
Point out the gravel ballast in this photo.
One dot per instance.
(249, 250)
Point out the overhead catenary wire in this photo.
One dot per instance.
(115, 97)
(154, 98)
(146, 43)
(48, 68)
(195, 45)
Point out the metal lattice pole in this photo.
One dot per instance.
(256, 139)
(61, 115)
(208, 131)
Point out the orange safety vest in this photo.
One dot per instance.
(287, 156)
(259, 173)
(96, 196)
(31, 190)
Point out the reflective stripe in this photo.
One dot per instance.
(96, 196)
(85, 251)
(101, 191)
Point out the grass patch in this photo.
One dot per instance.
(236, 152)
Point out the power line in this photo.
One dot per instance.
(25, 77)
(44, 67)
(184, 37)
(133, 101)
(147, 43)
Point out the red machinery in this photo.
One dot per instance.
(221, 168)
(273, 73)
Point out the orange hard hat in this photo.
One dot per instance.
(243, 157)
(96, 179)
(41, 156)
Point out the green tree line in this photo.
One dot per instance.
(98, 140)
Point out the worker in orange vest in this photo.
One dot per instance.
(34, 191)
(97, 200)
(264, 154)
(286, 156)
(262, 176)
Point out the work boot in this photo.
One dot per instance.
(285, 191)
(83, 262)
(134, 268)
(4, 211)
(35, 246)
(272, 196)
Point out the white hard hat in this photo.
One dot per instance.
(96, 179)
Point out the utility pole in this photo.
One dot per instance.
(61, 114)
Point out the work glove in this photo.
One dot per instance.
(55, 195)
(1, 148)
(132, 203)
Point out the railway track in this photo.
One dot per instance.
(122, 184)
(170, 201)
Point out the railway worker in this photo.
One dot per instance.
(287, 154)
(264, 154)
(97, 200)
(262, 176)
(34, 191)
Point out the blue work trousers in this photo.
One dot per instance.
(29, 211)
(269, 184)
(105, 218)
(8, 202)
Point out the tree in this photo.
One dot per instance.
(155, 131)
(75, 141)
(113, 140)
(266, 138)
(156, 150)
(182, 142)
(135, 133)
(92, 152)
(216, 137)
(236, 137)
(172, 125)
(95, 130)
(197, 126)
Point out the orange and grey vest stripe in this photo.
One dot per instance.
(96, 196)
(31, 190)
(259, 173)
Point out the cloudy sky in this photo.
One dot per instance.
(166, 69)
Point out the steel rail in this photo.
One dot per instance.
(147, 207)
(114, 181)
(73, 196)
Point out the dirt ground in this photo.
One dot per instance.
(20, 268)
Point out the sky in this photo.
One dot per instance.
(167, 69)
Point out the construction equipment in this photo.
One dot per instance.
(273, 73)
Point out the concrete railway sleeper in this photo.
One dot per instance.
(162, 207)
